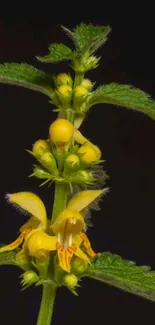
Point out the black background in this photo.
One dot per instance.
(125, 224)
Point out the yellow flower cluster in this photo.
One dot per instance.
(61, 131)
(67, 95)
(75, 165)
(68, 238)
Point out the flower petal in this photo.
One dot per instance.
(32, 223)
(13, 245)
(31, 203)
(82, 199)
(78, 120)
(68, 222)
(81, 254)
(40, 241)
(78, 137)
(65, 255)
(77, 240)
(87, 244)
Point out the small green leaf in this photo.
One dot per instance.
(91, 36)
(123, 274)
(58, 52)
(8, 258)
(123, 95)
(27, 76)
(88, 37)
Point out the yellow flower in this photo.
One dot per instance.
(68, 235)
(31, 203)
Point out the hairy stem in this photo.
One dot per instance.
(49, 290)
(60, 199)
(78, 79)
(47, 304)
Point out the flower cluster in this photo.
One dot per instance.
(57, 249)
(67, 95)
(66, 235)
(67, 157)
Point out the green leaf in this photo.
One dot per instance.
(88, 37)
(123, 95)
(27, 76)
(8, 258)
(123, 274)
(58, 52)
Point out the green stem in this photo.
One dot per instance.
(60, 199)
(78, 78)
(47, 304)
(49, 290)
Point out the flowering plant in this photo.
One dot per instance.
(54, 252)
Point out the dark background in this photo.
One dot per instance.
(125, 224)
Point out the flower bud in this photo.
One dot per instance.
(41, 150)
(78, 265)
(79, 138)
(80, 93)
(61, 132)
(73, 159)
(70, 280)
(64, 94)
(85, 63)
(97, 149)
(91, 63)
(40, 173)
(29, 277)
(63, 79)
(23, 260)
(49, 162)
(82, 177)
(71, 163)
(88, 154)
(86, 83)
(65, 90)
(40, 147)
